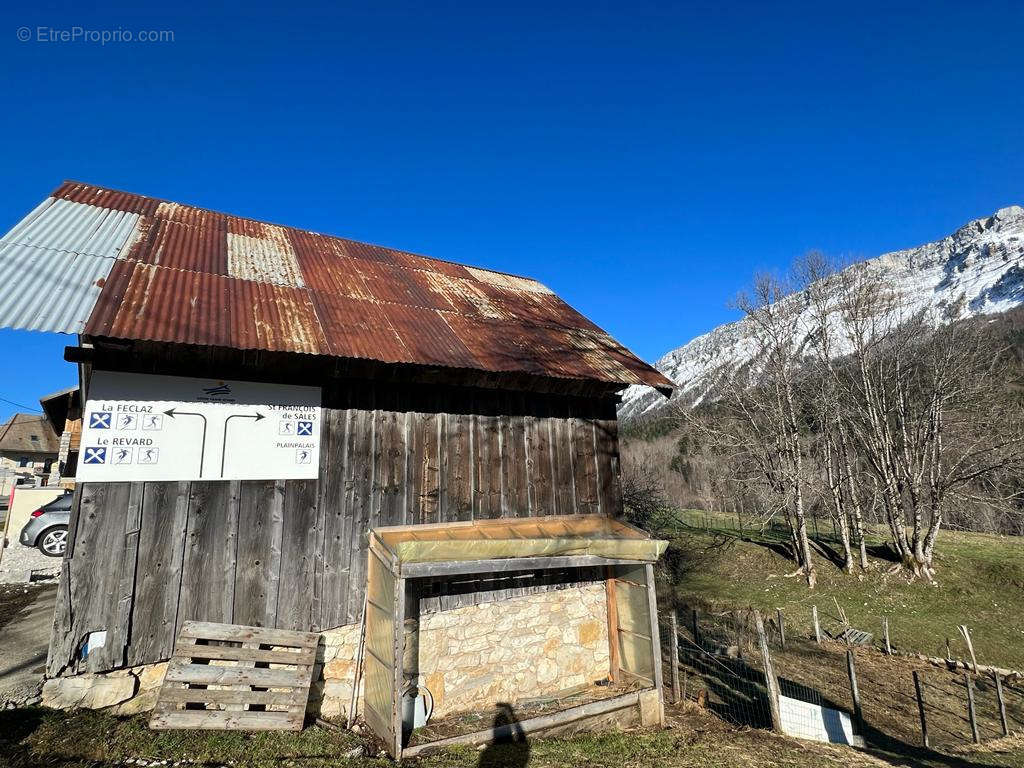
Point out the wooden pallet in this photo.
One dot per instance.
(852, 636)
(230, 677)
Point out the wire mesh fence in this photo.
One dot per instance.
(821, 528)
(720, 671)
(948, 699)
(870, 693)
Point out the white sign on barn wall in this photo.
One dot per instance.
(139, 427)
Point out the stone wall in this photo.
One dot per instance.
(473, 657)
(123, 691)
(469, 658)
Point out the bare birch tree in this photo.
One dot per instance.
(819, 286)
(758, 421)
(926, 409)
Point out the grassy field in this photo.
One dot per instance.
(47, 739)
(979, 582)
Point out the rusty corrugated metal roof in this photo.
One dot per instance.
(170, 272)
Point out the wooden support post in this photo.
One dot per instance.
(817, 626)
(1002, 705)
(652, 609)
(970, 709)
(614, 662)
(769, 674)
(398, 681)
(920, 709)
(674, 628)
(851, 668)
(696, 628)
(782, 628)
(351, 719)
(885, 635)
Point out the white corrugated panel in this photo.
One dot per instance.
(53, 260)
(264, 259)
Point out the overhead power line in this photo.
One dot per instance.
(19, 405)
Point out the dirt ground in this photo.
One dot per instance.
(26, 615)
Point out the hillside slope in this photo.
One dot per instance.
(977, 270)
(979, 582)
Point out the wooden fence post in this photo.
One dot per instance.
(851, 669)
(817, 626)
(782, 629)
(920, 710)
(738, 632)
(1002, 705)
(696, 628)
(970, 709)
(769, 674)
(674, 626)
(885, 635)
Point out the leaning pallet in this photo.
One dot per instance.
(230, 677)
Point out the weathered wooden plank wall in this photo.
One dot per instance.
(291, 554)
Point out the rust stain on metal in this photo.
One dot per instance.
(193, 276)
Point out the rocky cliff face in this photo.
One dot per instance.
(977, 270)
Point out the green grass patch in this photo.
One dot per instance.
(44, 737)
(979, 582)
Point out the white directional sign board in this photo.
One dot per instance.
(138, 427)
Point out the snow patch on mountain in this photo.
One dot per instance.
(977, 270)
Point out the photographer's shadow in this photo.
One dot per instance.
(510, 749)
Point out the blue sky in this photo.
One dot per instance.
(641, 159)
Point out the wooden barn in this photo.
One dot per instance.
(258, 398)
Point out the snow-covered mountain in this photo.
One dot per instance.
(977, 270)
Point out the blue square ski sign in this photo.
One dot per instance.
(99, 420)
(305, 428)
(95, 456)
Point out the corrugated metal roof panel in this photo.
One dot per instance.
(356, 328)
(428, 337)
(326, 269)
(282, 318)
(46, 290)
(398, 285)
(512, 282)
(161, 304)
(55, 261)
(75, 228)
(267, 259)
(120, 265)
(100, 197)
(170, 243)
(466, 297)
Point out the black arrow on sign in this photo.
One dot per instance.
(202, 450)
(224, 445)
